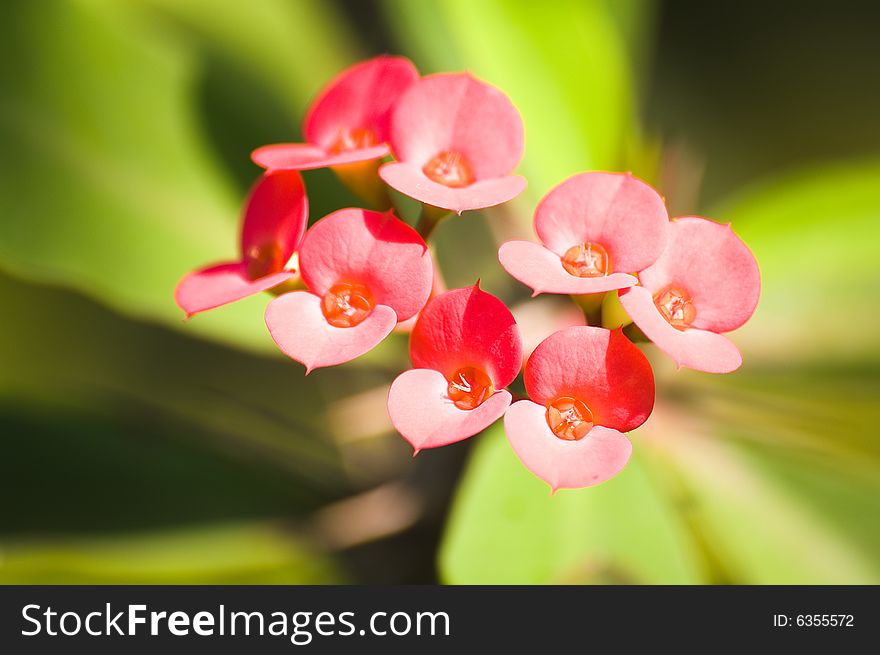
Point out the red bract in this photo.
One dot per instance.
(348, 122)
(365, 271)
(588, 386)
(466, 348)
(596, 229)
(456, 140)
(274, 221)
(705, 282)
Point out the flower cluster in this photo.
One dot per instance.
(452, 142)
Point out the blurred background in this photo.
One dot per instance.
(140, 449)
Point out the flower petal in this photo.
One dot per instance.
(304, 157)
(455, 112)
(370, 248)
(541, 269)
(423, 413)
(467, 327)
(714, 266)
(438, 286)
(600, 455)
(276, 213)
(300, 330)
(616, 210)
(361, 97)
(220, 285)
(698, 349)
(411, 181)
(599, 367)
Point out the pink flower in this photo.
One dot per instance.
(365, 271)
(465, 348)
(705, 282)
(588, 386)
(456, 139)
(348, 122)
(596, 229)
(274, 221)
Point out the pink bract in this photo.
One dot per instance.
(456, 140)
(614, 211)
(274, 221)
(461, 330)
(713, 280)
(607, 374)
(376, 253)
(349, 121)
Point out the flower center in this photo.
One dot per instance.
(263, 260)
(346, 304)
(469, 387)
(587, 260)
(676, 307)
(353, 140)
(449, 169)
(569, 418)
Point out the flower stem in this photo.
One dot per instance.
(591, 306)
(429, 218)
(362, 178)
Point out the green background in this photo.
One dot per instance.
(138, 448)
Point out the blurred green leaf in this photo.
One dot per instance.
(56, 346)
(506, 528)
(259, 553)
(107, 183)
(815, 234)
(779, 467)
(276, 40)
(564, 64)
(765, 531)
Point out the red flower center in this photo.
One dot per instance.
(353, 140)
(449, 169)
(469, 387)
(346, 304)
(263, 260)
(676, 307)
(569, 418)
(587, 260)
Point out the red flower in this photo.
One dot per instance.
(365, 271)
(705, 282)
(348, 122)
(456, 139)
(274, 221)
(465, 348)
(588, 386)
(596, 229)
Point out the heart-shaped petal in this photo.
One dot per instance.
(220, 285)
(595, 458)
(697, 349)
(411, 181)
(541, 269)
(299, 329)
(304, 156)
(422, 412)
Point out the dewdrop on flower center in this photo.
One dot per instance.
(346, 304)
(569, 418)
(587, 260)
(469, 387)
(676, 307)
(449, 169)
(354, 139)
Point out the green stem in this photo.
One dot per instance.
(591, 305)
(634, 334)
(429, 218)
